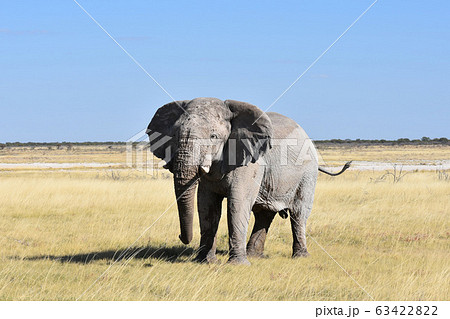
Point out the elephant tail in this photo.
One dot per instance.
(347, 165)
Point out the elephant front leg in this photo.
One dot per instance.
(255, 246)
(238, 218)
(209, 211)
(241, 198)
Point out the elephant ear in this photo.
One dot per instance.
(161, 129)
(251, 132)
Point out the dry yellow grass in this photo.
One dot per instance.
(59, 231)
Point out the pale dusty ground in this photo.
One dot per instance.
(377, 158)
(356, 165)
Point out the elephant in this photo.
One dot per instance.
(261, 162)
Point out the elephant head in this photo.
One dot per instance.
(195, 136)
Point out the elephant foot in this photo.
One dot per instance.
(300, 254)
(208, 259)
(255, 253)
(238, 261)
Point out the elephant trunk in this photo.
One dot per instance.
(185, 182)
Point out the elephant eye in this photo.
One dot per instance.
(214, 136)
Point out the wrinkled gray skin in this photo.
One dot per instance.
(260, 183)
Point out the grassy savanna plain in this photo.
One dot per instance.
(61, 229)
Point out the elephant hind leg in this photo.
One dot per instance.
(255, 246)
(298, 226)
(299, 215)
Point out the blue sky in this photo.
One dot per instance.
(63, 79)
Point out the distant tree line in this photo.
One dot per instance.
(401, 141)
(58, 145)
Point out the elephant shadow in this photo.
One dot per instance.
(164, 253)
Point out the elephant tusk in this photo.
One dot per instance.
(205, 169)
